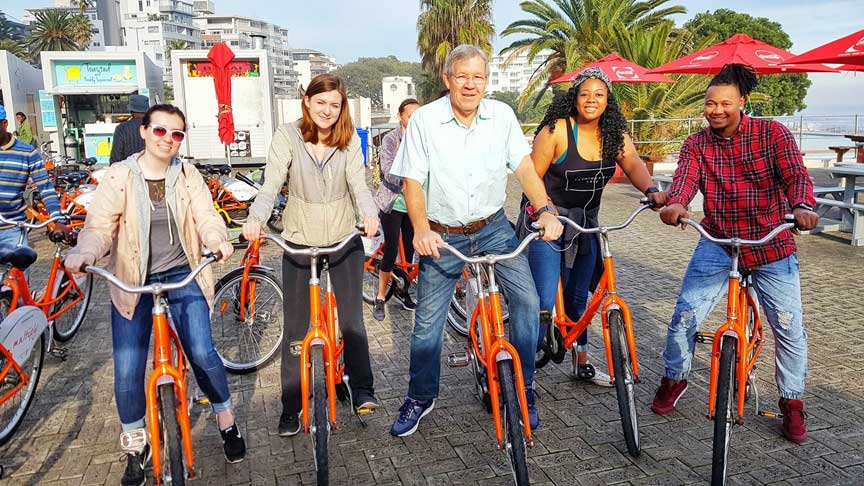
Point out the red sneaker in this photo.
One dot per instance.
(668, 395)
(794, 423)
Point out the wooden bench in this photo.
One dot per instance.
(823, 205)
(841, 151)
(664, 182)
(834, 191)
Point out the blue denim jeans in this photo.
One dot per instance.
(190, 315)
(547, 266)
(10, 236)
(779, 289)
(435, 285)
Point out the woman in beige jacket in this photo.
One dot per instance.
(155, 215)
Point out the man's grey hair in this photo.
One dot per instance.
(462, 53)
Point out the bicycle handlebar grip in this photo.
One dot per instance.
(644, 200)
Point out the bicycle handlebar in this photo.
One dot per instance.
(24, 224)
(490, 259)
(737, 242)
(156, 288)
(645, 204)
(313, 251)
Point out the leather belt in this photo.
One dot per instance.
(466, 229)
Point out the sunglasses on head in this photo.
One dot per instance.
(160, 131)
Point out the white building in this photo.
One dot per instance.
(98, 40)
(395, 90)
(238, 32)
(310, 63)
(514, 75)
(152, 25)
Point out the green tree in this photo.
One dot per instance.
(525, 114)
(84, 5)
(445, 24)
(577, 32)
(13, 47)
(81, 30)
(174, 44)
(363, 77)
(783, 93)
(52, 31)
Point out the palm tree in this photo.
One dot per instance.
(52, 31)
(13, 47)
(81, 30)
(174, 44)
(577, 32)
(445, 24)
(84, 5)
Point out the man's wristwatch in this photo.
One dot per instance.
(804, 206)
(545, 209)
(651, 190)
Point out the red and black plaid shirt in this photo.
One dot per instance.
(749, 181)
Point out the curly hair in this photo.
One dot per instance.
(613, 125)
(740, 75)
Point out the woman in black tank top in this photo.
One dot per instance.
(576, 149)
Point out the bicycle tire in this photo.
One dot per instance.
(63, 332)
(457, 311)
(517, 448)
(625, 380)
(17, 412)
(321, 432)
(172, 444)
(239, 344)
(370, 281)
(723, 407)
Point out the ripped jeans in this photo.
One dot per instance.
(779, 290)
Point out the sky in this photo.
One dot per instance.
(348, 29)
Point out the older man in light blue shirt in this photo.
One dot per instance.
(455, 158)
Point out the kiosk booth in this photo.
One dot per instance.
(86, 95)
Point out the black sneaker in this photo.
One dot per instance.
(233, 444)
(289, 424)
(408, 303)
(378, 310)
(135, 464)
(365, 402)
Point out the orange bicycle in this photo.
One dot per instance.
(322, 367)
(231, 198)
(735, 345)
(65, 298)
(492, 355)
(167, 405)
(618, 332)
(404, 274)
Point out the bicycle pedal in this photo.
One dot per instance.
(458, 360)
(771, 415)
(60, 353)
(364, 411)
(201, 400)
(704, 338)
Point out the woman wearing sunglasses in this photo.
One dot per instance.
(155, 215)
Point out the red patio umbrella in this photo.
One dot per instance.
(220, 56)
(742, 49)
(846, 50)
(619, 70)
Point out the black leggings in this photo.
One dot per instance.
(391, 224)
(346, 273)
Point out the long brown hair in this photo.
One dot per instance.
(343, 130)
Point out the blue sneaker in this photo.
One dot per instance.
(533, 417)
(410, 414)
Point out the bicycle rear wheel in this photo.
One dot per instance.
(370, 281)
(321, 424)
(625, 380)
(724, 414)
(67, 324)
(13, 410)
(247, 345)
(173, 470)
(463, 301)
(514, 433)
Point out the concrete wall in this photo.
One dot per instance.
(20, 83)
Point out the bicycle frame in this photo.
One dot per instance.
(410, 268)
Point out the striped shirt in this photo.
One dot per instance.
(18, 163)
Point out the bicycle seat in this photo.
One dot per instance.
(89, 161)
(19, 257)
(221, 169)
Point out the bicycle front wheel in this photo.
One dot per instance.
(514, 433)
(463, 302)
(321, 424)
(724, 414)
(625, 380)
(173, 471)
(13, 410)
(67, 324)
(247, 344)
(371, 275)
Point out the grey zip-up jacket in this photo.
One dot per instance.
(325, 200)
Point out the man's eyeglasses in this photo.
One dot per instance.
(462, 79)
(160, 132)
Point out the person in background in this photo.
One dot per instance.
(393, 213)
(25, 133)
(751, 173)
(127, 137)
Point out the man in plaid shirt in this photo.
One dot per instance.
(751, 174)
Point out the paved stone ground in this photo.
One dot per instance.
(70, 434)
